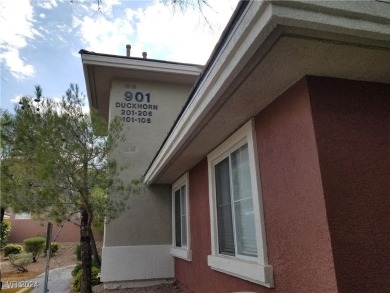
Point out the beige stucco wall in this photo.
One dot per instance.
(148, 115)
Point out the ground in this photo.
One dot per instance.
(64, 257)
(165, 288)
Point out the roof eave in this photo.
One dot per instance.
(259, 28)
(121, 67)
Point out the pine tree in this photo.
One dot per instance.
(60, 166)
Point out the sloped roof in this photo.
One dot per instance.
(267, 47)
(100, 69)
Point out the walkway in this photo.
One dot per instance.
(60, 281)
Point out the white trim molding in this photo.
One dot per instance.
(255, 269)
(352, 36)
(136, 263)
(184, 251)
(250, 271)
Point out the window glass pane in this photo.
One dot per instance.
(224, 210)
(245, 227)
(183, 216)
(242, 187)
(243, 203)
(177, 218)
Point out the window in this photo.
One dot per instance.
(237, 229)
(235, 216)
(181, 217)
(180, 222)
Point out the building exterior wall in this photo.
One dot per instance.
(196, 275)
(351, 121)
(297, 232)
(142, 234)
(297, 235)
(148, 219)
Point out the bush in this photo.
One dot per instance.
(54, 248)
(21, 261)
(35, 245)
(12, 249)
(76, 270)
(95, 279)
(5, 229)
(78, 252)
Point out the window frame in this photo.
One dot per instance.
(254, 269)
(183, 252)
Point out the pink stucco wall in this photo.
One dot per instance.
(323, 149)
(352, 126)
(298, 239)
(196, 276)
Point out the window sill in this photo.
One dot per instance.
(253, 272)
(182, 253)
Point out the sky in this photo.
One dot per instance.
(40, 39)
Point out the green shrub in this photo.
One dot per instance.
(12, 249)
(95, 279)
(54, 248)
(5, 230)
(76, 270)
(21, 261)
(78, 252)
(35, 245)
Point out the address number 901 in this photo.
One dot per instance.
(138, 97)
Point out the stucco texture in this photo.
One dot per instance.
(297, 236)
(323, 150)
(196, 275)
(352, 125)
(147, 221)
(298, 239)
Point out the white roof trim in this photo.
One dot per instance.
(142, 65)
(369, 20)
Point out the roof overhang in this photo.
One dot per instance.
(101, 69)
(270, 46)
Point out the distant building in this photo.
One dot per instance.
(267, 167)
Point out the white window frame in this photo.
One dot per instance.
(183, 252)
(253, 269)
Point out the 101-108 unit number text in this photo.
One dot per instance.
(136, 120)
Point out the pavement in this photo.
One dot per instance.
(60, 281)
